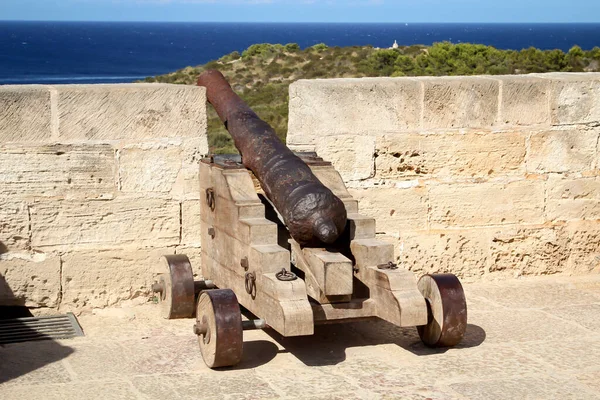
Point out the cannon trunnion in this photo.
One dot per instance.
(250, 256)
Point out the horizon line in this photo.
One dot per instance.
(302, 22)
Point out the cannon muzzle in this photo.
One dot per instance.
(313, 214)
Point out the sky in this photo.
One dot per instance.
(404, 11)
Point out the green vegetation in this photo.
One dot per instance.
(262, 74)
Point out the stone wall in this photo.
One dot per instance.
(96, 182)
(481, 176)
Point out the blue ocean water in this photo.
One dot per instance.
(101, 52)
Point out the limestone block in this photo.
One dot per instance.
(464, 253)
(573, 199)
(69, 224)
(487, 204)
(528, 251)
(450, 155)
(14, 225)
(130, 111)
(583, 246)
(394, 209)
(524, 100)
(31, 280)
(25, 114)
(150, 167)
(194, 253)
(575, 98)
(190, 223)
(100, 278)
(562, 151)
(352, 106)
(460, 102)
(58, 170)
(187, 184)
(351, 155)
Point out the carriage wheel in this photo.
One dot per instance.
(446, 309)
(176, 287)
(219, 328)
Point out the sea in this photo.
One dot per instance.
(115, 52)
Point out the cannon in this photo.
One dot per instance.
(282, 237)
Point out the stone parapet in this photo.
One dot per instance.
(484, 176)
(96, 182)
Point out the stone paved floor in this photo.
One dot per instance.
(532, 338)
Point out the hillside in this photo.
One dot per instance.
(262, 74)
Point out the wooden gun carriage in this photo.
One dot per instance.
(249, 258)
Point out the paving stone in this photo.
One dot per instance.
(586, 315)
(524, 388)
(121, 390)
(420, 393)
(575, 356)
(513, 325)
(33, 363)
(532, 338)
(372, 374)
(214, 385)
(294, 381)
(534, 294)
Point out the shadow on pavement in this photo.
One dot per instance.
(257, 353)
(19, 359)
(329, 343)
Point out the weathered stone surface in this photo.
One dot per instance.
(14, 225)
(573, 199)
(464, 253)
(535, 354)
(465, 102)
(524, 100)
(528, 251)
(31, 280)
(586, 315)
(130, 111)
(100, 278)
(190, 223)
(351, 155)
(243, 385)
(449, 156)
(562, 151)
(394, 209)
(575, 97)
(577, 357)
(119, 390)
(25, 114)
(58, 170)
(352, 106)
(583, 238)
(187, 184)
(540, 293)
(523, 388)
(68, 224)
(487, 203)
(149, 167)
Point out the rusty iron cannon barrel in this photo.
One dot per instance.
(312, 213)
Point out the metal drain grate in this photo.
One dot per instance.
(39, 328)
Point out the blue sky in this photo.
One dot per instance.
(304, 10)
